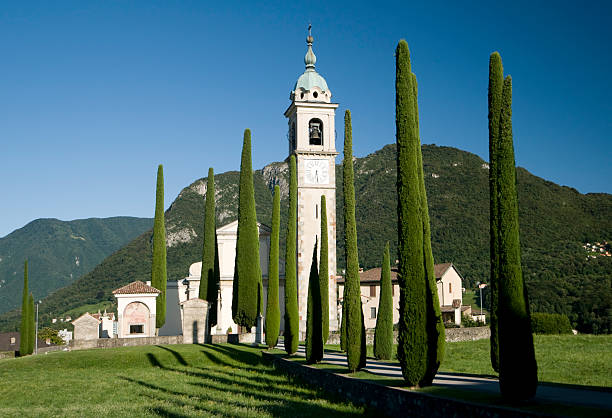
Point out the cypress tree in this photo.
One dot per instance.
(352, 290)
(496, 81)
(24, 333)
(417, 351)
(247, 273)
(383, 336)
(291, 334)
(272, 302)
(435, 325)
(324, 270)
(343, 322)
(31, 324)
(314, 328)
(518, 377)
(208, 280)
(158, 268)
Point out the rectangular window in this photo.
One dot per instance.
(372, 313)
(392, 290)
(450, 288)
(136, 329)
(372, 290)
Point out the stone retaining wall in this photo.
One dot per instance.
(123, 342)
(452, 335)
(389, 400)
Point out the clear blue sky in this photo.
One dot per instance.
(93, 95)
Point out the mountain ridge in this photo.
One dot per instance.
(555, 221)
(59, 252)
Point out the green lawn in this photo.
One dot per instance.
(170, 380)
(567, 359)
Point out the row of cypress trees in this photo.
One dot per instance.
(512, 350)
(27, 329)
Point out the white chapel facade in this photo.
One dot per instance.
(312, 139)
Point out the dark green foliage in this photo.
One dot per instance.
(62, 252)
(496, 81)
(518, 377)
(291, 334)
(217, 282)
(435, 324)
(24, 332)
(314, 315)
(355, 346)
(247, 273)
(272, 302)
(545, 323)
(158, 268)
(421, 333)
(343, 324)
(209, 282)
(324, 270)
(383, 336)
(31, 324)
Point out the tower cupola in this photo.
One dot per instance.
(310, 86)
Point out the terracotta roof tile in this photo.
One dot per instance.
(373, 275)
(135, 287)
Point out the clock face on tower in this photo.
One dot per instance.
(317, 171)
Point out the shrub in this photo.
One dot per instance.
(547, 323)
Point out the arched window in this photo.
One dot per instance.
(315, 132)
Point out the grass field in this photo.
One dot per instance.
(173, 380)
(568, 359)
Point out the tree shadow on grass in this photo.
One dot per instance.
(223, 388)
(176, 355)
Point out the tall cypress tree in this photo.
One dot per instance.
(383, 336)
(496, 81)
(324, 270)
(352, 290)
(291, 334)
(413, 341)
(314, 324)
(24, 333)
(518, 378)
(435, 324)
(208, 280)
(217, 280)
(272, 302)
(31, 325)
(247, 273)
(343, 322)
(158, 268)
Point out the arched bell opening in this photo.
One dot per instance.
(315, 132)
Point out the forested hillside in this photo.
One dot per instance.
(555, 222)
(59, 253)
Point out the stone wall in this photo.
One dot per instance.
(452, 335)
(123, 342)
(395, 402)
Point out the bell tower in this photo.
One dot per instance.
(312, 139)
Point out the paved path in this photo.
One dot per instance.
(545, 393)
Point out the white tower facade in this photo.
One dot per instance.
(311, 120)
